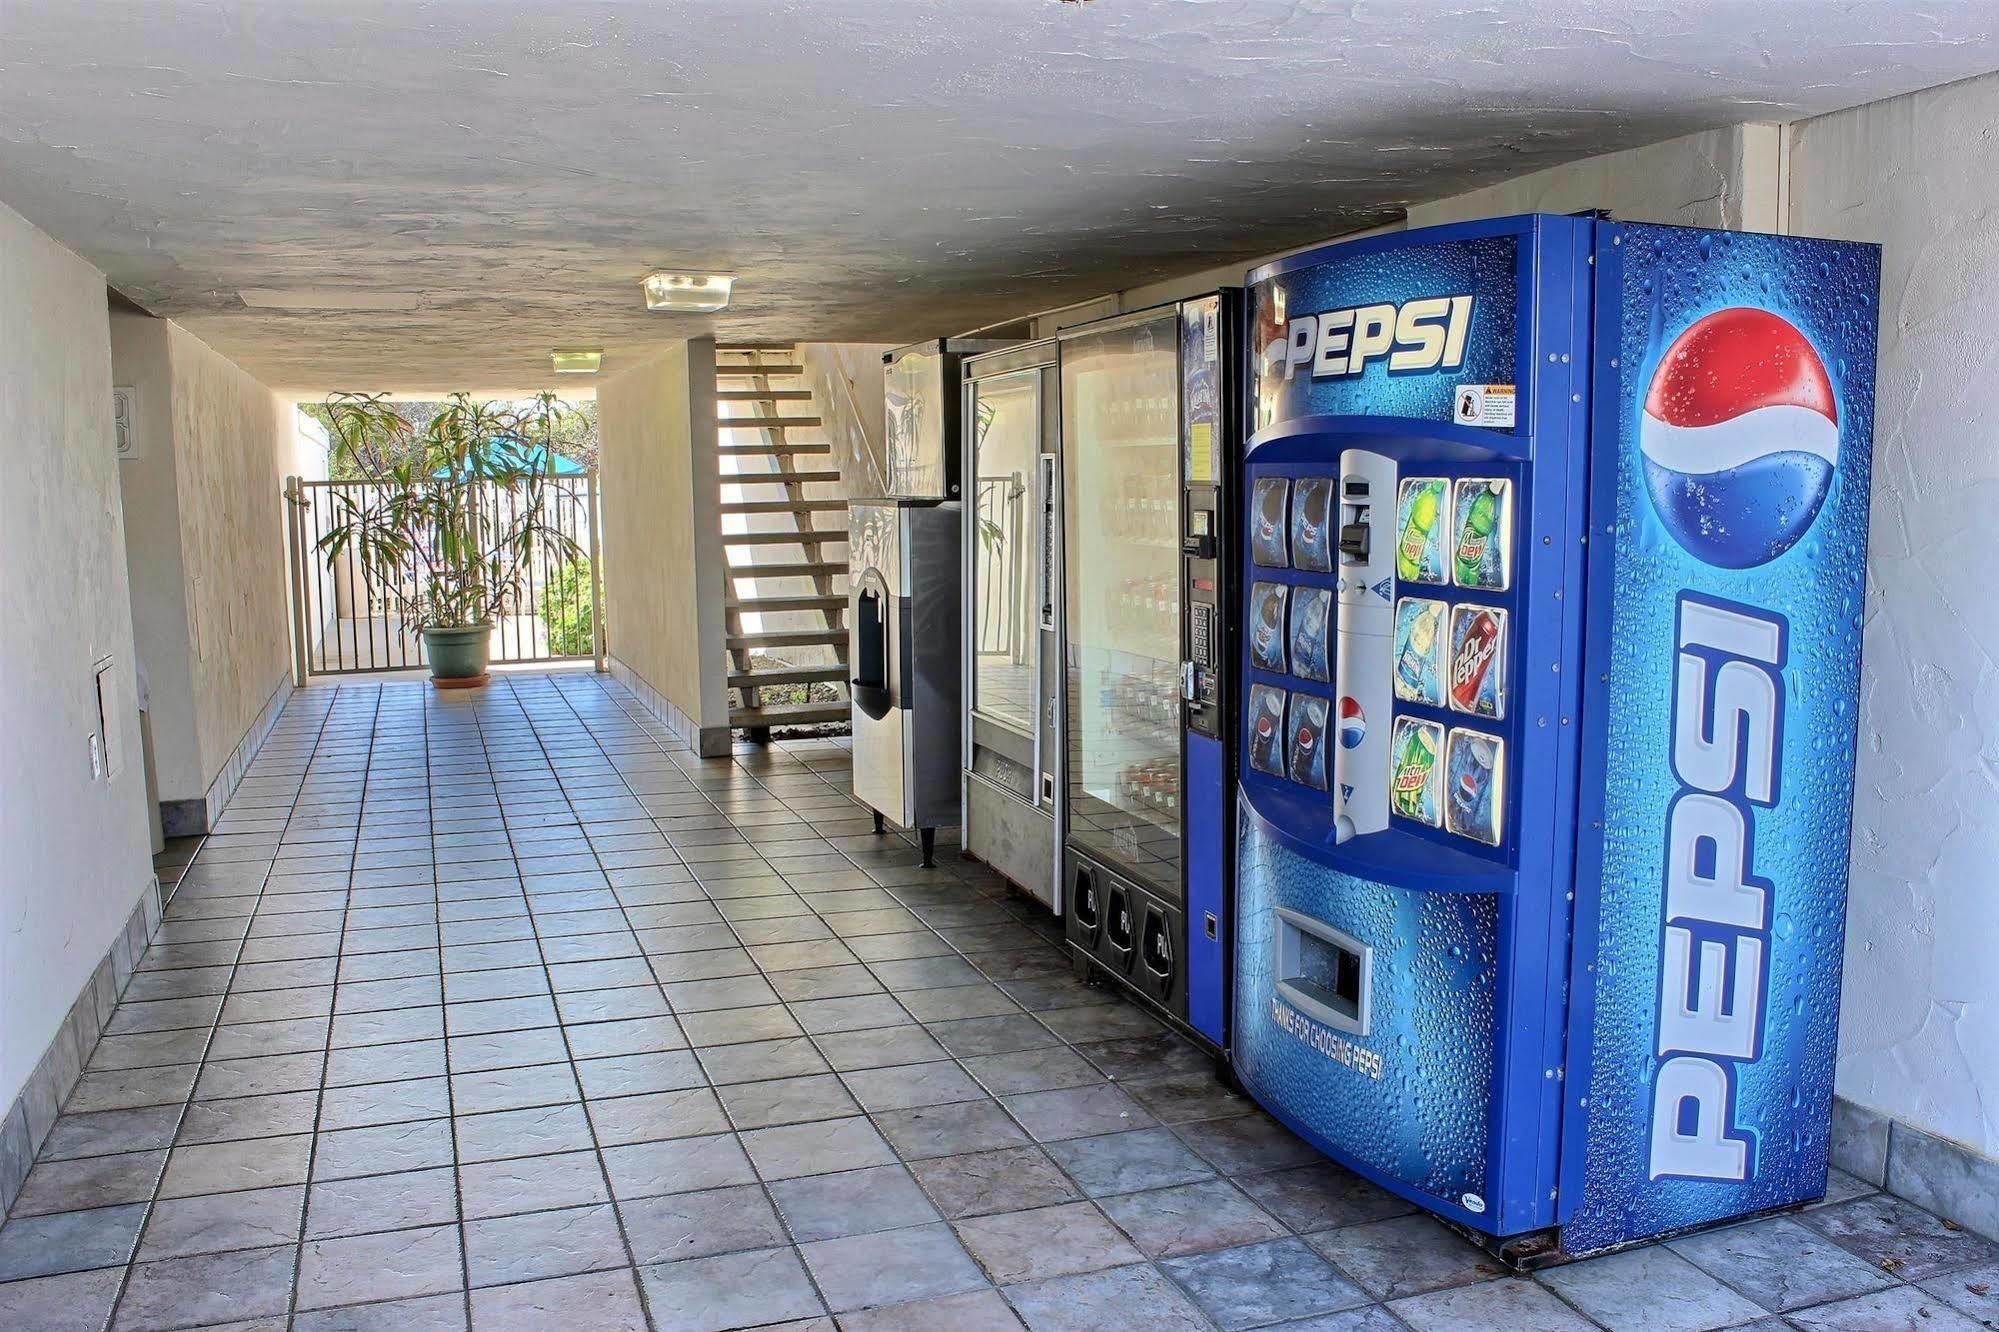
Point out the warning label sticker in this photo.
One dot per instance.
(1489, 405)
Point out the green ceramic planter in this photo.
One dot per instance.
(458, 656)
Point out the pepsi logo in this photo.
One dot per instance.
(1353, 724)
(1740, 437)
(1306, 739)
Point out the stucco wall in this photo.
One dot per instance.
(662, 553)
(1919, 1037)
(75, 848)
(204, 545)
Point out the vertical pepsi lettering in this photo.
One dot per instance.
(1728, 731)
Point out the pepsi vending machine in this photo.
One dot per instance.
(1561, 525)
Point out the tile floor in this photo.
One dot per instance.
(509, 1011)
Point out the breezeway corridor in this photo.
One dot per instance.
(507, 1009)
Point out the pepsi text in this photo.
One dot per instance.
(1426, 334)
(1727, 745)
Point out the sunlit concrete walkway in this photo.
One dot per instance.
(508, 1010)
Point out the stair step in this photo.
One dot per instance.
(809, 569)
(783, 538)
(772, 605)
(756, 347)
(766, 448)
(786, 506)
(767, 422)
(774, 478)
(763, 395)
(800, 714)
(784, 638)
(786, 675)
(738, 371)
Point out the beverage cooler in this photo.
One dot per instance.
(1148, 442)
(1559, 526)
(904, 600)
(1013, 734)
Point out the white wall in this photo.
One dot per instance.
(73, 849)
(1919, 1038)
(662, 536)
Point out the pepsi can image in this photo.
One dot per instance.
(1266, 620)
(1472, 784)
(1308, 740)
(1266, 729)
(1266, 538)
(1311, 520)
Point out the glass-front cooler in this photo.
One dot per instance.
(1013, 752)
(1121, 452)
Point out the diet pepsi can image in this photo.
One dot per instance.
(1419, 651)
(1266, 729)
(1311, 522)
(1310, 609)
(1473, 783)
(1266, 620)
(1266, 536)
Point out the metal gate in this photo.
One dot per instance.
(339, 627)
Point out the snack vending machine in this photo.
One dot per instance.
(1149, 433)
(1013, 599)
(1560, 525)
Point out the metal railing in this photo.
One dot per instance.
(341, 626)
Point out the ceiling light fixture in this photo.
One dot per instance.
(576, 362)
(688, 293)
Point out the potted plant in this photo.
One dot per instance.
(430, 534)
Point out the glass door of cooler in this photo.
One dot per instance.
(1006, 568)
(1121, 454)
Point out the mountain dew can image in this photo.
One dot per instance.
(1419, 522)
(1483, 510)
(1415, 781)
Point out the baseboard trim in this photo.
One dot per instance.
(34, 1111)
(192, 818)
(707, 741)
(1955, 1181)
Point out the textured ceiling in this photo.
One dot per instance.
(475, 183)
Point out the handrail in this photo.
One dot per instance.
(860, 425)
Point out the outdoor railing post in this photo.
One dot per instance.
(596, 574)
(295, 577)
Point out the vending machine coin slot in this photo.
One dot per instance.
(1323, 972)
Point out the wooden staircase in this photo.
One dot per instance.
(788, 564)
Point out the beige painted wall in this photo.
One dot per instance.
(76, 846)
(662, 538)
(205, 546)
(847, 391)
(1729, 177)
(1919, 1033)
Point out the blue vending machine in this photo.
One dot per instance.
(1557, 526)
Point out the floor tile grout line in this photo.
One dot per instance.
(267, 894)
(569, 1049)
(763, 1185)
(819, 1050)
(132, 1263)
(332, 1020)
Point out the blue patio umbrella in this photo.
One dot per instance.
(518, 455)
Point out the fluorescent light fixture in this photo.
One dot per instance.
(688, 293)
(576, 362)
